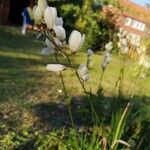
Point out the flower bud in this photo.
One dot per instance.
(104, 65)
(47, 51)
(49, 44)
(59, 21)
(90, 52)
(109, 46)
(76, 41)
(37, 15)
(50, 16)
(60, 32)
(83, 72)
(55, 67)
(124, 42)
(42, 4)
(125, 50)
(58, 42)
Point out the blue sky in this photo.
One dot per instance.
(141, 2)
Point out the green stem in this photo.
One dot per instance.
(66, 95)
(73, 66)
(136, 81)
(82, 84)
(100, 81)
(62, 79)
(119, 126)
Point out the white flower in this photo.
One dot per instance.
(50, 16)
(37, 15)
(47, 51)
(129, 37)
(86, 77)
(76, 41)
(106, 60)
(42, 4)
(125, 50)
(119, 35)
(58, 42)
(60, 32)
(125, 33)
(55, 67)
(49, 44)
(90, 52)
(124, 42)
(119, 45)
(83, 72)
(104, 65)
(64, 44)
(59, 21)
(109, 46)
(108, 57)
(34, 8)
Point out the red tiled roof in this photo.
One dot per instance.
(128, 9)
(135, 11)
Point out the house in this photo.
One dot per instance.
(133, 18)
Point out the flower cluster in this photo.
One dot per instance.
(51, 26)
(126, 41)
(123, 43)
(107, 55)
(47, 21)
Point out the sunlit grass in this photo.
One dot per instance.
(23, 71)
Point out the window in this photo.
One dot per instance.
(133, 24)
(142, 28)
(128, 21)
(138, 25)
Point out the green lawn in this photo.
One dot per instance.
(24, 77)
(29, 94)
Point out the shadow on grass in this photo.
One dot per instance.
(7, 62)
(56, 115)
(12, 39)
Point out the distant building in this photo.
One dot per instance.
(131, 17)
(136, 19)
